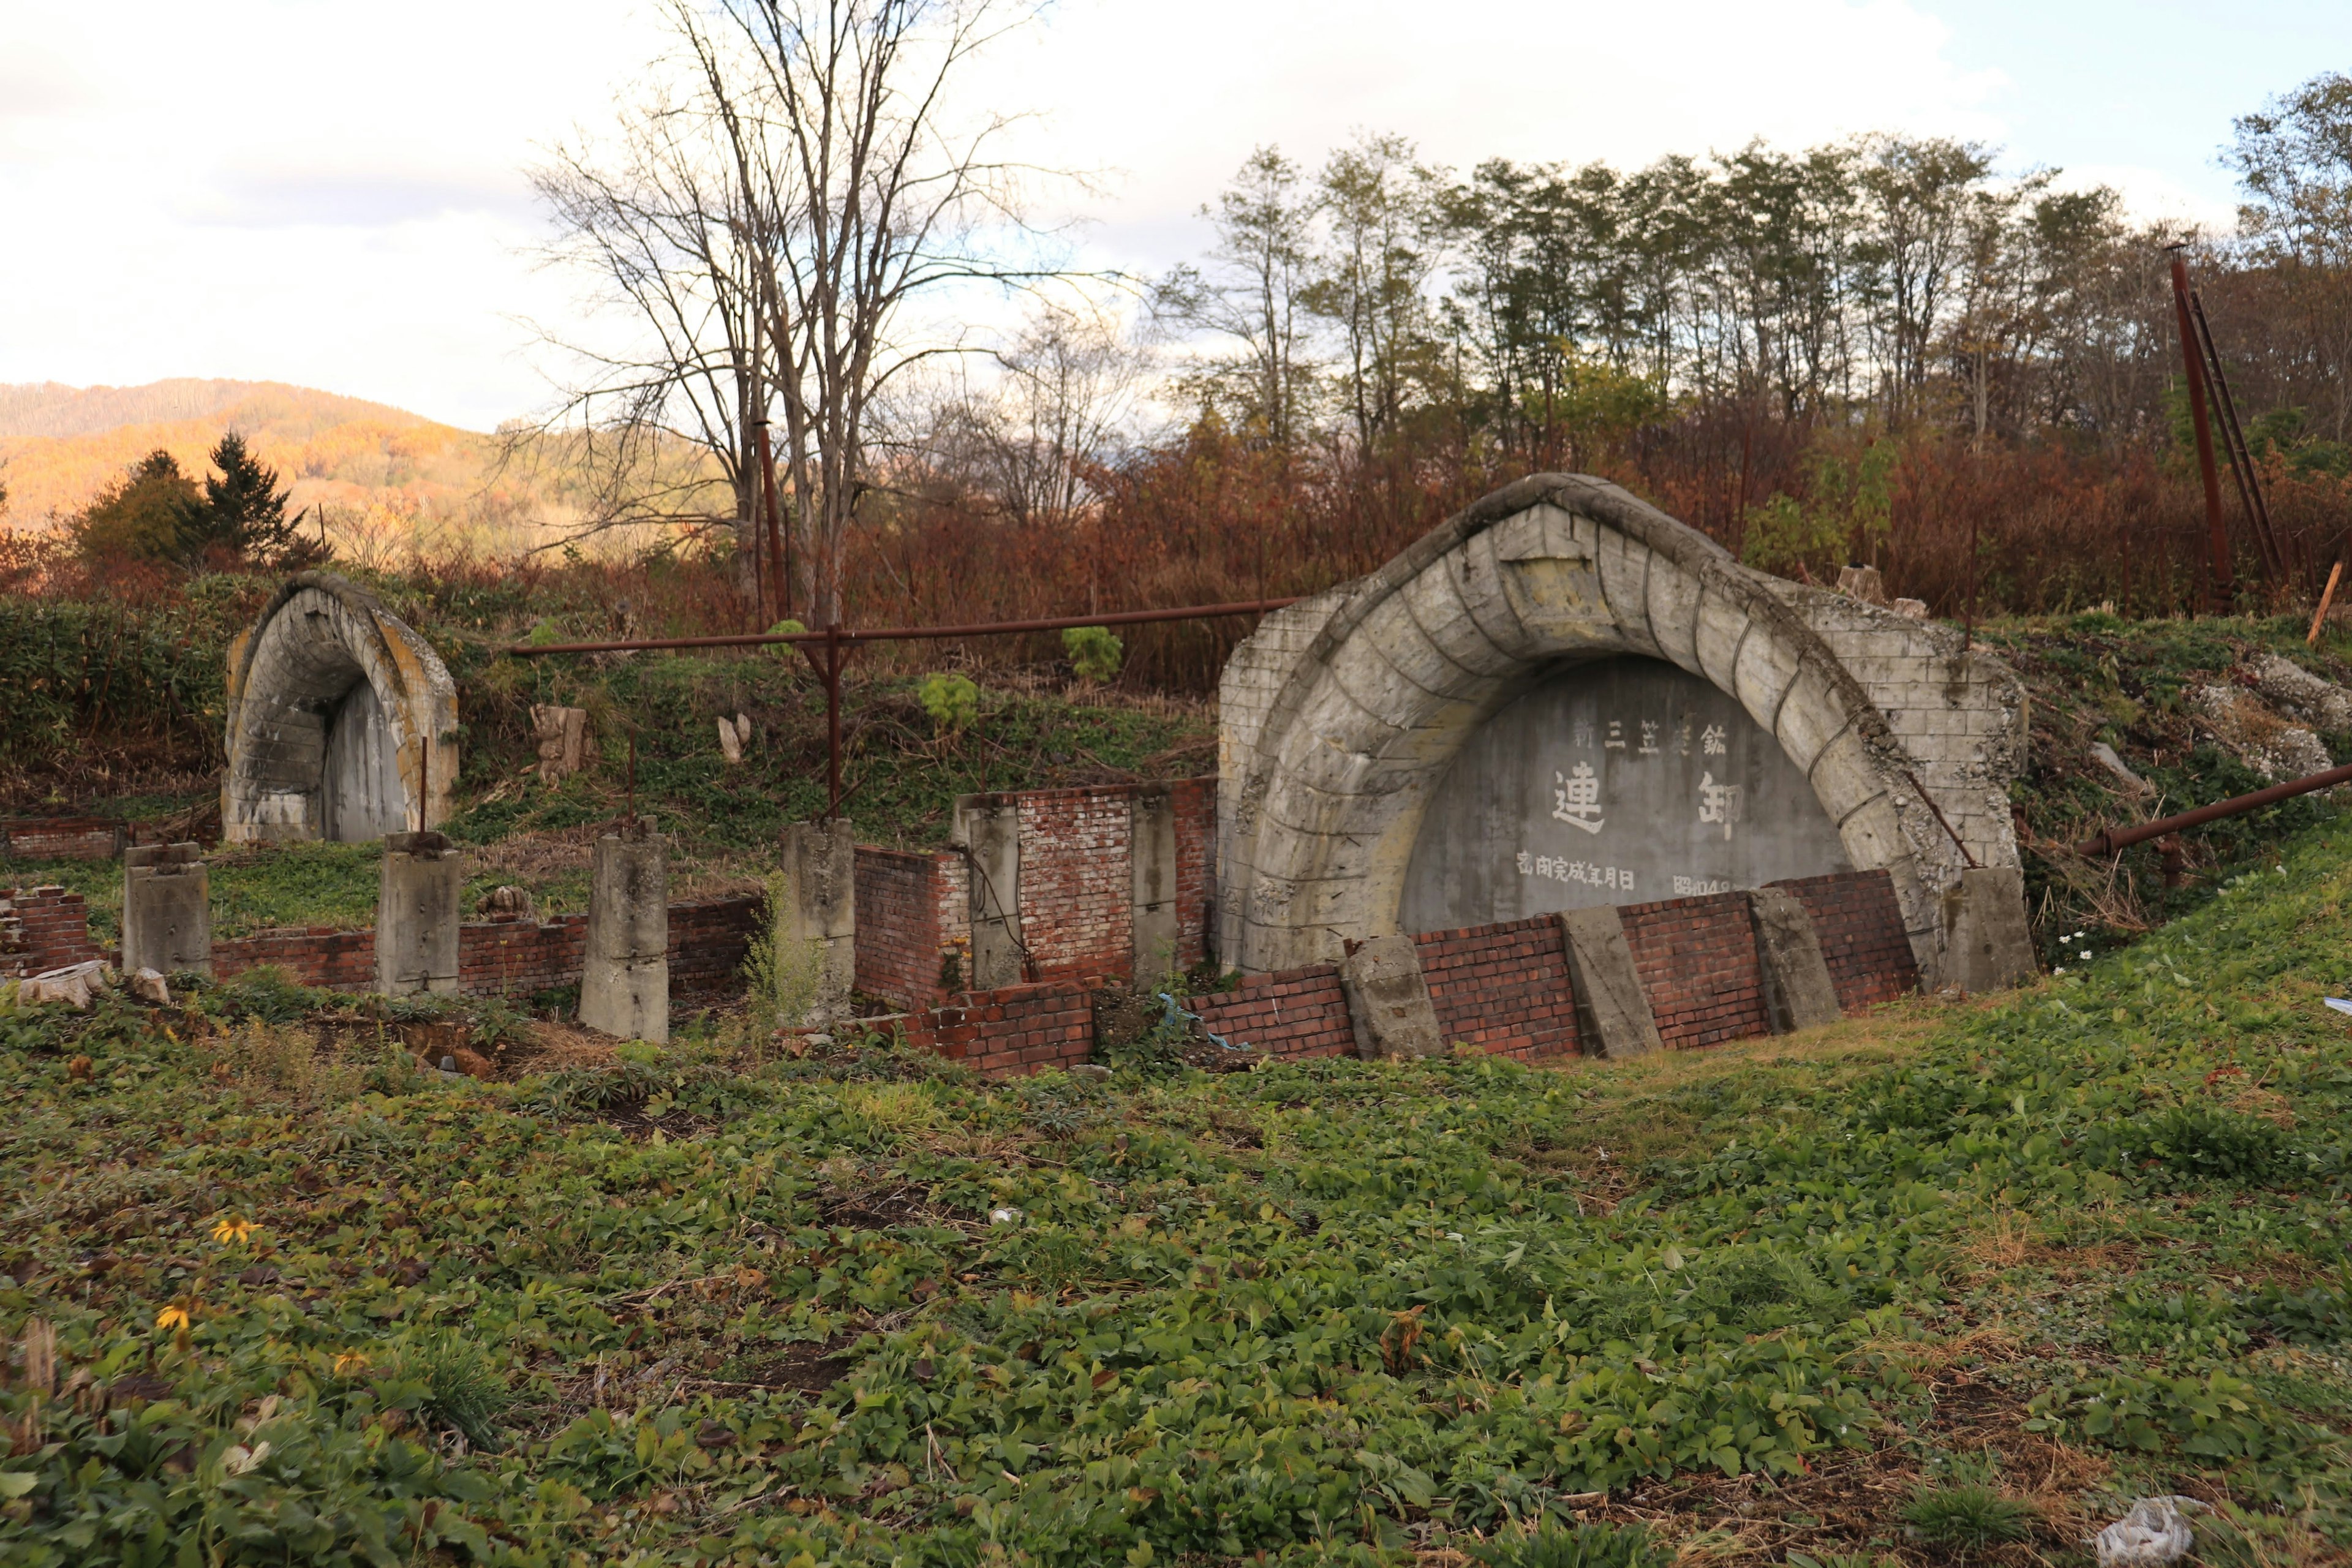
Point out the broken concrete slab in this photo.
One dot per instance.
(1388, 1000)
(1798, 991)
(1612, 1009)
(148, 986)
(76, 985)
(1987, 945)
(167, 917)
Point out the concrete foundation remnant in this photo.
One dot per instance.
(1343, 716)
(167, 914)
(819, 917)
(1798, 991)
(416, 915)
(625, 978)
(1986, 942)
(562, 737)
(1613, 1008)
(987, 831)
(1388, 1000)
(1152, 841)
(341, 720)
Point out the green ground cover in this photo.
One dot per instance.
(1950, 1280)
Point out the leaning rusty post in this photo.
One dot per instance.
(777, 566)
(832, 721)
(2319, 617)
(2242, 456)
(2216, 536)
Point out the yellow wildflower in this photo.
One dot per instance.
(172, 1317)
(351, 1363)
(231, 1230)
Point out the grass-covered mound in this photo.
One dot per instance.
(1929, 1282)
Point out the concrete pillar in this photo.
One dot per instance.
(988, 830)
(1152, 859)
(167, 915)
(416, 915)
(1798, 991)
(1987, 946)
(1612, 1009)
(1388, 1001)
(624, 977)
(820, 913)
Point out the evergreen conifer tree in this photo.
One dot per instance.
(242, 512)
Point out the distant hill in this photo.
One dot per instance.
(387, 484)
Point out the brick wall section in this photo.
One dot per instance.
(1294, 1012)
(316, 955)
(42, 928)
(1697, 961)
(1018, 1030)
(708, 939)
(1078, 881)
(1503, 988)
(1860, 925)
(1195, 803)
(910, 923)
(64, 838)
(517, 956)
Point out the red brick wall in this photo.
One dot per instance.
(1697, 961)
(316, 955)
(1291, 1012)
(64, 838)
(1078, 881)
(42, 928)
(1503, 988)
(1195, 803)
(1861, 931)
(911, 922)
(1018, 1030)
(518, 955)
(708, 939)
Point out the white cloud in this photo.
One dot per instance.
(330, 193)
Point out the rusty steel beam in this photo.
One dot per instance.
(852, 635)
(2116, 838)
(2219, 583)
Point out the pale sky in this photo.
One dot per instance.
(324, 192)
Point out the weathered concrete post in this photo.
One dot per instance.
(624, 975)
(416, 915)
(1798, 991)
(1152, 858)
(988, 830)
(167, 914)
(1612, 1010)
(1388, 1000)
(1986, 944)
(820, 913)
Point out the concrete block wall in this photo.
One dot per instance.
(1502, 988)
(1860, 926)
(1699, 967)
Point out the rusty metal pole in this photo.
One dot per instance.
(832, 721)
(2221, 589)
(776, 564)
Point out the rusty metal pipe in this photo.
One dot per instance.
(846, 635)
(2116, 838)
(2219, 584)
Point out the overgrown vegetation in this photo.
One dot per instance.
(1921, 1284)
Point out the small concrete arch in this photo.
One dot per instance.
(341, 720)
(1341, 715)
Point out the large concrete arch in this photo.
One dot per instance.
(341, 720)
(1341, 713)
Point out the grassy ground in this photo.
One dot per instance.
(1948, 1284)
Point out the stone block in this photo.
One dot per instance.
(988, 831)
(819, 917)
(562, 737)
(1388, 1001)
(625, 971)
(1798, 991)
(1612, 1009)
(1987, 946)
(416, 915)
(167, 918)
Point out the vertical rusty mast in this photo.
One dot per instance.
(777, 567)
(2219, 586)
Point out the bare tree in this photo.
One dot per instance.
(1255, 290)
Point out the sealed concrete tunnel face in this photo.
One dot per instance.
(342, 721)
(1394, 748)
(1612, 781)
